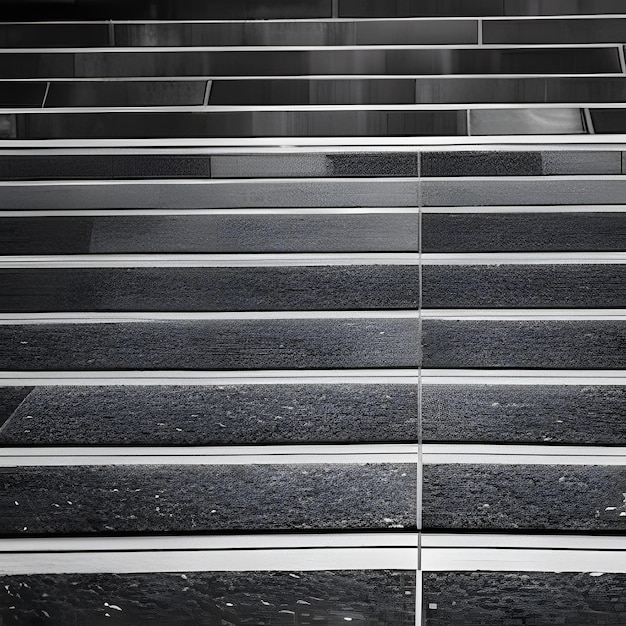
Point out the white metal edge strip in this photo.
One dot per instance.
(586, 208)
(213, 260)
(265, 142)
(522, 314)
(210, 560)
(308, 259)
(426, 314)
(435, 454)
(503, 560)
(158, 316)
(211, 542)
(274, 212)
(195, 456)
(522, 377)
(314, 377)
(226, 49)
(519, 541)
(524, 258)
(583, 208)
(214, 377)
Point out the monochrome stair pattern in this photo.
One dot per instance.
(313, 312)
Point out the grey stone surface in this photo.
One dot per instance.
(553, 31)
(45, 235)
(524, 286)
(542, 344)
(520, 192)
(341, 164)
(134, 93)
(387, 598)
(314, 91)
(216, 194)
(210, 289)
(10, 400)
(124, 499)
(240, 124)
(547, 414)
(523, 232)
(211, 344)
(561, 121)
(209, 415)
(479, 163)
(524, 498)
(582, 162)
(357, 232)
(513, 598)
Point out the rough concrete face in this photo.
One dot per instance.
(523, 598)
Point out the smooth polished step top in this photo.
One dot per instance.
(207, 415)
(383, 597)
(212, 344)
(217, 233)
(496, 598)
(546, 414)
(523, 498)
(122, 499)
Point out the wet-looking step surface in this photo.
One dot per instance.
(208, 415)
(206, 499)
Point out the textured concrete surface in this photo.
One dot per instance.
(524, 497)
(213, 498)
(366, 232)
(210, 289)
(10, 399)
(209, 415)
(524, 286)
(528, 598)
(551, 414)
(387, 598)
(546, 344)
(524, 232)
(212, 344)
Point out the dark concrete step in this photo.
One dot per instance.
(533, 344)
(201, 597)
(214, 194)
(524, 286)
(521, 192)
(523, 232)
(116, 499)
(539, 598)
(521, 498)
(208, 415)
(520, 163)
(102, 63)
(235, 124)
(235, 233)
(345, 287)
(555, 414)
(138, 166)
(212, 344)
